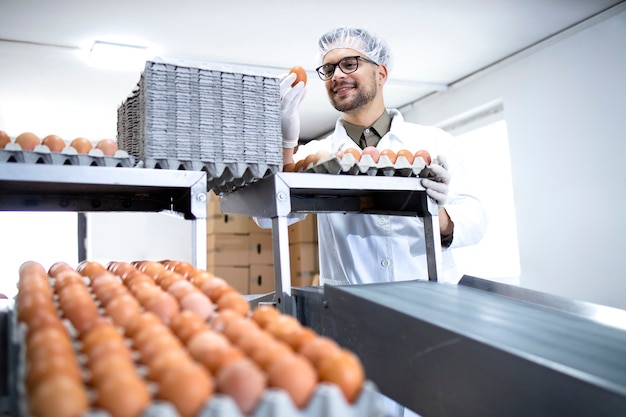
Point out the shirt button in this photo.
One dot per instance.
(381, 222)
(367, 131)
(385, 263)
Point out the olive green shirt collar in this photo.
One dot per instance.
(369, 135)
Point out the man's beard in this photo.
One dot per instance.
(361, 98)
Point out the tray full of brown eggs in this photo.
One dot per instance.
(28, 148)
(165, 339)
(369, 161)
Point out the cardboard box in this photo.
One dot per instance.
(238, 277)
(261, 248)
(261, 279)
(254, 228)
(227, 224)
(304, 231)
(303, 257)
(227, 250)
(306, 279)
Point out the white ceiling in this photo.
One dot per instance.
(46, 87)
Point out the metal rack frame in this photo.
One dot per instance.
(279, 196)
(40, 187)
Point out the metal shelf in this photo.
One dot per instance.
(40, 187)
(279, 195)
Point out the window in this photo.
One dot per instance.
(496, 257)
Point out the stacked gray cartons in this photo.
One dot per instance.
(205, 117)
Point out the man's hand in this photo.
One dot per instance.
(290, 99)
(437, 185)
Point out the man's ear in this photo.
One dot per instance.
(383, 75)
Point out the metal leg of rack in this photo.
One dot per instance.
(199, 245)
(433, 247)
(282, 269)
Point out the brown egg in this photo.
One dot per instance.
(356, 153)
(424, 155)
(29, 303)
(199, 277)
(58, 267)
(163, 305)
(106, 348)
(298, 337)
(104, 330)
(406, 154)
(264, 314)
(122, 309)
(233, 301)
(319, 348)
(53, 365)
(165, 360)
(345, 370)
(295, 375)
(186, 324)
(89, 268)
(187, 387)
(244, 382)
(149, 350)
(253, 341)
(4, 139)
(237, 329)
(198, 303)
(27, 141)
(145, 335)
(373, 152)
(82, 145)
(59, 396)
(213, 350)
(389, 154)
(266, 354)
(300, 74)
(283, 326)
(123, 395)
(42, 319)
(140, 322)
(32, 267)
(289, 167)
(107, 146)
(216, 287)
(151, 268)
(107, 366)
(54, 143)
(107, 292)
(179, 287)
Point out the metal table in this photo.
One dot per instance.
(284, 193)
(41, 187)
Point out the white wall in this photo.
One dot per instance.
(565, 106)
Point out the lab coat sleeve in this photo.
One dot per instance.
(464, 206)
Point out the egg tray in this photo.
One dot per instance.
(190, 115)
(222, 177)
(13, 153)
(349, 165)
(327, 399)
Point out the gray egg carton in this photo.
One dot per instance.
(349, 165)
(185, 115)
(327, 399)
(13, 153)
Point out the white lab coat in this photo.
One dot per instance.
(368, 248)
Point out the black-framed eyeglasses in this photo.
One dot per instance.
(347, 65)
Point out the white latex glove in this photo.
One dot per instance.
(290, 99)
(437, 185)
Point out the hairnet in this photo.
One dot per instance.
(360, 40)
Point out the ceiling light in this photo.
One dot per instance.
(117, 56)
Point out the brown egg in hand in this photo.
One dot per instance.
(300, 74)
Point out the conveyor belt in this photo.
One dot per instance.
(451, 350)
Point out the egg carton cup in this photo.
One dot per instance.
(327, 399)
(41, 154)
(349, 165)
(222, 177)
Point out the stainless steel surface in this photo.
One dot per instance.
(452, 350)
(608, 316)
(278, 196)
(36, 187)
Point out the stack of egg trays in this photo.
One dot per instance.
(349, 165)
(204, 117)
(13, 153)
(327, 399)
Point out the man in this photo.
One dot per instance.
(364, 248)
